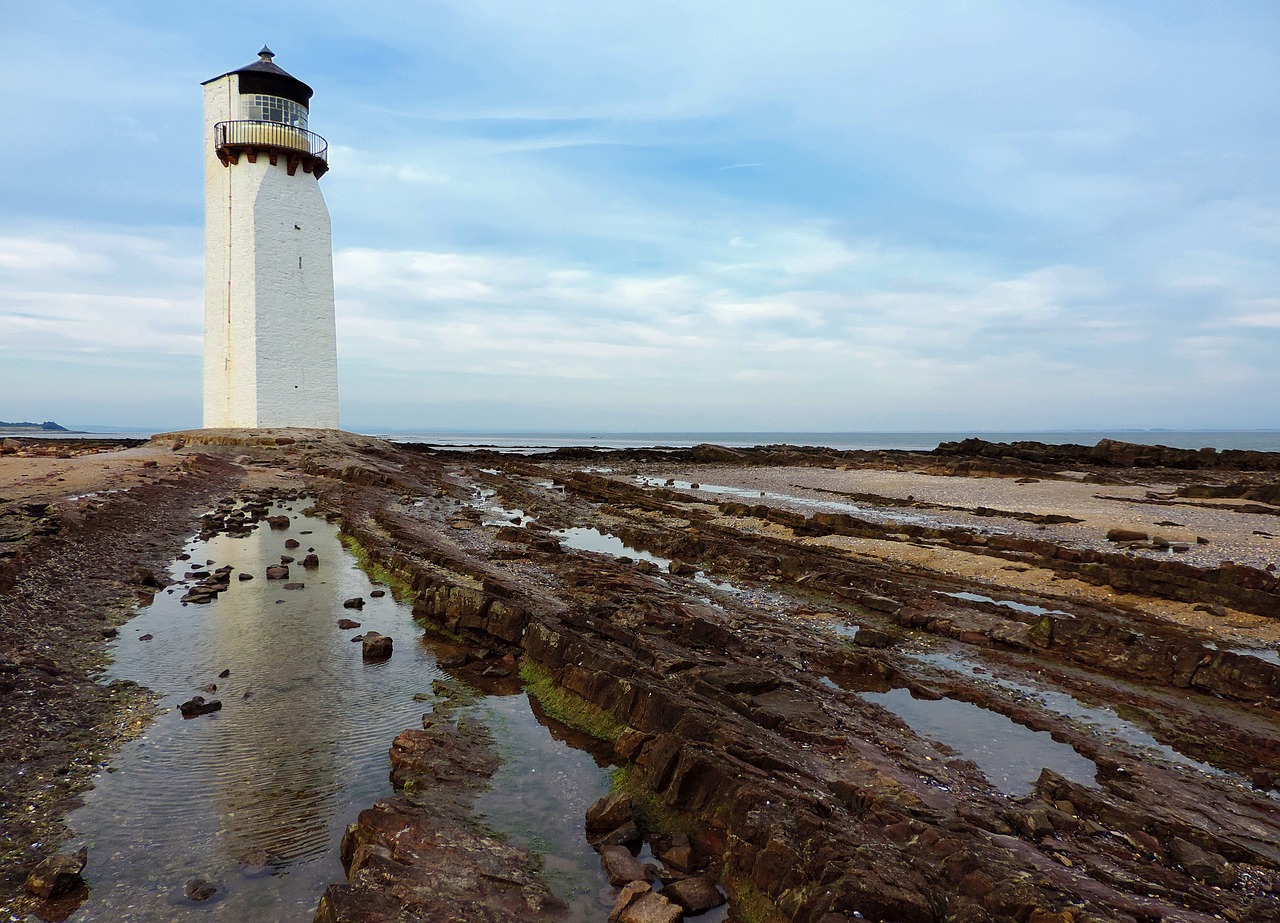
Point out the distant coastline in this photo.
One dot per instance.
(536, 441)
(25, 429)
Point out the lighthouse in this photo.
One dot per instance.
(270, 345)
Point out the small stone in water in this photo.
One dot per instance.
(147, 637)
(200, 890)
(224, 674)
(57, 874)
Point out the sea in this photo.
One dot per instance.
(533, 442)
(1258, 440)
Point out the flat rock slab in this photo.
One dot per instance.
(420, 856)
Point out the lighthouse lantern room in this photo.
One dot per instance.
(270, 346)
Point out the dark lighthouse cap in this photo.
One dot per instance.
(265, 77)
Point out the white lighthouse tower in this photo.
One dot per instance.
(270, 347)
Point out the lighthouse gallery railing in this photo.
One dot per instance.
(250, 133)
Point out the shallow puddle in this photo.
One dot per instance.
(586, 539)
(255, 797)
(871, 513)
(1010, 756)
(1007, 604)
(1101, 719)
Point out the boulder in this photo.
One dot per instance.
(57, 874)
(355, 602)
(1126, 535)
(292, 543)
(278, 572)
(651, 907)
(626, 896)
(311, 561)
(696, 895)
(278, 522)
(347, 623)
(376, 646)
(622, 867)
(609, 813)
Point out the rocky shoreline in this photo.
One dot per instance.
(730, 657)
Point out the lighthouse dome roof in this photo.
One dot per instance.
(267, 77)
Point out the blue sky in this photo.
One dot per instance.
(663, 215)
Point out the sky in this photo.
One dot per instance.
(675, 215)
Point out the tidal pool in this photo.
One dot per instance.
(255, 797)
(1010, 756)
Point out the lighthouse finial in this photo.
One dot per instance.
(266, 54)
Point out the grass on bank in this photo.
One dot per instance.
(566, 707)
(400, 588)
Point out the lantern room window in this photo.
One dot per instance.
(275, 109)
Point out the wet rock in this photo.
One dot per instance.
(650, 907)
(197, 706)
(1126, 535)
(609, 813)
(224, 674)
(295, 586)
(146, 637)
(621, 867)
(144, 576)
(292, 543)
(870, 637)
(681, 569)
(346, 624)
(880, 603)
(376, 646)
(278, 572)
(243, 576)
(679, 854)
(256, 859)
(58, 874)
(198, 889)
(311, 562)
(1203, 865)
(377, 594)
(625, 835)
(355, 602)
(695, 895)
(278, 522)
(626, 897)
(286, 559)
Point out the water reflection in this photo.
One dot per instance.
(255, 796)
(1010, 756)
